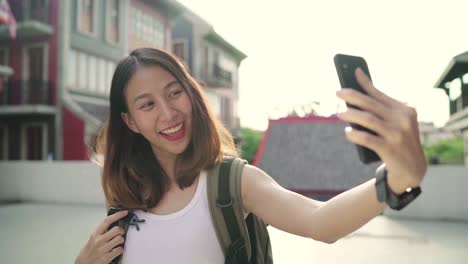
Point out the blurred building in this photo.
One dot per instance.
(61, 64)
(212, 61)
(7, 18)
(454, 81)
(429, 134)
(28, 100)
(95, 36)
(311, 156)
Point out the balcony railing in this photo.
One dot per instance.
(32, 18)
(222, 75)
(30, 10)
(22, 92)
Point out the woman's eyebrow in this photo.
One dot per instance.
(141, 96)
(167, 86)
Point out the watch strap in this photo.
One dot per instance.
(399, 202)
(385, 194)
(381, 184)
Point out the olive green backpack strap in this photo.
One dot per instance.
(226, 209)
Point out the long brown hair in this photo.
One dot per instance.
(132, 176)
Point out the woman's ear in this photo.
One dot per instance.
(129, 122)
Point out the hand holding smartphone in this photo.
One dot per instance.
(346, 66)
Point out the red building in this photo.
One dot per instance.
(28, 100)
(62, 61)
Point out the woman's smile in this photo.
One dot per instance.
(175, 133)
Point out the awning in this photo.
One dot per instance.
(92, 110)
(100, 112)
(215, 38)
(457, 67)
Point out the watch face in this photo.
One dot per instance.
(400, 202)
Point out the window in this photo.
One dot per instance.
(205, 62)
(215, 103)
(37, 10)
(34, 141)
(226, 63)
(4, 56)
(139, 26)
(159, 33)
(34, 72)
(216, 57)
(3, 142)
(3, 80)
(71, 66)
(35, 63)
(110, 71)
(82, 76)
(92, 73)
(151, 30)
(86, 9)
(147, 28)
(179, 49)
(133, 20)
(89, 73)
(143, 26)
(113, 21)
(102, 83)
(147, 25)
(226, 111)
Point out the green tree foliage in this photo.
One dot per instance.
(450, 151)
(250, 142)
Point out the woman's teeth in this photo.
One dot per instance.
(172, 130)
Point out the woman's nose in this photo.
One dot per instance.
(168, 111)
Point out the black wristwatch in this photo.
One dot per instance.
(385, 194)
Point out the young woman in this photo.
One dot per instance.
(161, 137)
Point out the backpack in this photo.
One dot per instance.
(243, 242)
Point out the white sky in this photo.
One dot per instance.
(290, 47)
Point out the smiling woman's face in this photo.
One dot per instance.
(160, 110)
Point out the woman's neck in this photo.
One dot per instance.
(168, 165)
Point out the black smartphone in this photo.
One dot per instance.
(111, 211)
(345, 67)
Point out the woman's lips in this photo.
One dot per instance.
(176, 136)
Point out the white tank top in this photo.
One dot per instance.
(186, 236)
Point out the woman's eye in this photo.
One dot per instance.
(176, 93)
(146, 105)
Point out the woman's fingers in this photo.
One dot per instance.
(115, 231)
(114, 253)
(114, 242)
(104, 226)
(369, 87)
(364, 102)
(365, 139)
(367, 120)
(103, 244)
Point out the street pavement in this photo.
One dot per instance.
(54, 234)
